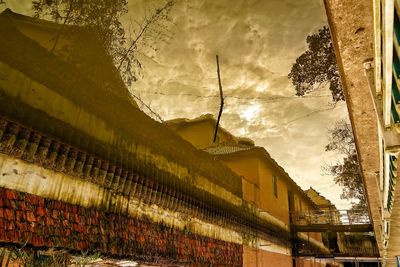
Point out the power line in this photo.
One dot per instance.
(270, 98)
(306, 115)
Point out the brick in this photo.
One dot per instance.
(10, 226)
(22, 206)
(10, 203)
(55, 214)
(19, 215)
(30, 216)
(9, 214)
(40, 211)
(49, 221)
(10, 194)
(3, 235)
(41, 202)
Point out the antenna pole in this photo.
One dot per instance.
(221, 95)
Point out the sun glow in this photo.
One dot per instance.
(250, 112)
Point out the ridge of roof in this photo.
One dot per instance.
(311, 189)
(202, 118)
(13, 15)
(225, 149)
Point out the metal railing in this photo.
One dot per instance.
(331, 217)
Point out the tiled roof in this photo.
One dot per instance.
(219, 150)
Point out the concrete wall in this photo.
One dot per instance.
(248, 169)
(258, 185)
(260, 258)
(200, 133)
(277, 205)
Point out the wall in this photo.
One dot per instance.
(257, 184)
(302, 205)
(41, 222)
(199, 134)
(262, 258)
(314, 262)
(247, 167)
(277, 206)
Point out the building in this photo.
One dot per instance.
(83, 169)
(264, 183)
(366, 40)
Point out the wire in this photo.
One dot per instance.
(270, 98)
(306, 115)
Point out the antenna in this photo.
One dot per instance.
(221, 95)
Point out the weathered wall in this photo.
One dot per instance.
(199, 134)
(260, 258)
(351, 27)
(247, 168)
(41, 222)
(278, 206)
(314, 262)
(89, 117)
(38, 165)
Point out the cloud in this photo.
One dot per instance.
(257, 42)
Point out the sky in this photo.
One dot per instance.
(257, 42)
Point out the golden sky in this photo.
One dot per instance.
(257, 42)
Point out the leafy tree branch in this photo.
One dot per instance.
(316, 66)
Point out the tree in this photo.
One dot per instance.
(346, 173)
(102, 17)
(317, 66)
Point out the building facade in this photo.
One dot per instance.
(84, 170)
(264, 183)
(366, 41)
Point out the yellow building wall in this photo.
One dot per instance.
(247, 167)
(199, 134)
(258, 187)
(277, 206)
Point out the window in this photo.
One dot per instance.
(275, 185)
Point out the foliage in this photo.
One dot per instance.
(346, 173)
(317, 66)
(24, 257)
(103, 18)
(152, 29)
